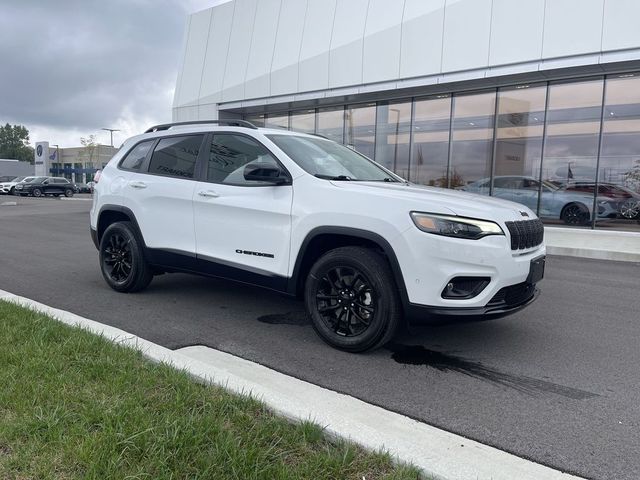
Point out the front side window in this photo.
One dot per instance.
(231, 154)
(176, 156)
(329, 160)
(133, 160)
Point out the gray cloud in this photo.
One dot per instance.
(85, 64)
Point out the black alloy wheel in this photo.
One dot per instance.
(118, 259)
(345, 301)
(352, 299)
(37, 192)
(68, 192)
(575, 214)
(122, 261)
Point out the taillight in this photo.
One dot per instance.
(96, 176)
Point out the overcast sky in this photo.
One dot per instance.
(70, 67)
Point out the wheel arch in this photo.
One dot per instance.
(322, 239)
(110, 214)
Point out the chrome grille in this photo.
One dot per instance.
(525, 233)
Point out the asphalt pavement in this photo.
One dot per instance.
(557, 383)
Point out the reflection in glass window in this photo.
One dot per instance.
(360, 129)
(133, 160)
(472, 142)
(229, 156)
(176, 156)
(619, 173)
(280, 120)
(304, 121)
(431, 141)
(256, 119)
(331, 124)
(393, 131)
(571, 150)
(521, 113)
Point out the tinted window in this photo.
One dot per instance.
(133, 160)
(176, 156)
(60, 180)
(230, 154)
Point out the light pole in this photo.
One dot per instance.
(111, 130)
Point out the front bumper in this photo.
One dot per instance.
(429, 262)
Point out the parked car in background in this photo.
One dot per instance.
(9, 187)
(41, 186)
(572, 207)
(84, 187)
(627, 200)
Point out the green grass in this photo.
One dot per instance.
(74, 405)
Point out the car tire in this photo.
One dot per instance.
(575, 214)
(68, 193)
(36, 192)
(352, 299)
(122, 260)
(12, 191)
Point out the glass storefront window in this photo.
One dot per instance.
(360, 128)
(256, 119)
(431, 141)
(393, 131)
(279, 120)
(331, 124)
(518, 151)
(571, 151)
(304, 121)
(472, 141)
(619, 172)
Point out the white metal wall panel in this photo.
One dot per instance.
(216, 57)
(516, 31)
(276, 51)
(257, 80)
(189, 90)
(313, 71)
(621, 28)
(572, 27)
(381, 51)
(421, 46)
(467, 27)
(345, 56)
(284, 68)
(239, 44)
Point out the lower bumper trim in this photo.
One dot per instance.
(425, 314)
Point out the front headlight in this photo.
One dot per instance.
(453, 226)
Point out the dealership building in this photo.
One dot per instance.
(537, 101)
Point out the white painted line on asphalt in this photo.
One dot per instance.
(8, 204)
(438, 453)
(73, 199)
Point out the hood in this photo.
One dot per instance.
(442, 200)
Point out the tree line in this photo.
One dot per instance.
(14, 143)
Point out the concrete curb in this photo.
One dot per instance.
(440, 454)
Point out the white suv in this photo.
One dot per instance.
(306, 216)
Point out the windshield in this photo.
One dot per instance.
(329, 160)
(18, 179)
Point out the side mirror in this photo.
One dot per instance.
(264, 172)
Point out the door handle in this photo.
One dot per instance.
(137, 184)
(208, 194)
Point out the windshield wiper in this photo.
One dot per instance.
(330, 177)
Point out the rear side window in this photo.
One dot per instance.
(133, 160)
(176, 156)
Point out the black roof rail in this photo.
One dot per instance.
(231, 123)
